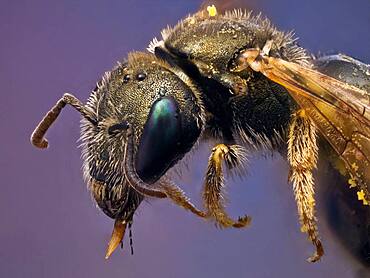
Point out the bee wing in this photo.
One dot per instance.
(348, 136)
(341, 113)
(313, 84)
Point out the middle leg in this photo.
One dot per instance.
(213, 195)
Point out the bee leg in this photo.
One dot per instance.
(302, 157)
(213, 197)
(164, 189)
(179, 198)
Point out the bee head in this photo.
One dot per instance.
(141, 119)
(156, 105)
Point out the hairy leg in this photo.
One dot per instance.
(178, 197)
(302, 156)
(164, 189)
(213, 195)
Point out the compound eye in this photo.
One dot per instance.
(159, 141)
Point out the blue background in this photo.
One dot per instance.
(49, 224)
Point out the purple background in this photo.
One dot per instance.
(49, 225)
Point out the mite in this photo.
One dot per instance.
(232, 78)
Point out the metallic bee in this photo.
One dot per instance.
(233, 78)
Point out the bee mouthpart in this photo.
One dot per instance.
(116, 238)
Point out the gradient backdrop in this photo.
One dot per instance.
(49, 225)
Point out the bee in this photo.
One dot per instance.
(232, 78)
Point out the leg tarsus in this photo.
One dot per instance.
(178, 197)
(318, 253)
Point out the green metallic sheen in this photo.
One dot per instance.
(159, 142)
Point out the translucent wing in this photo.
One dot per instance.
(341, 112)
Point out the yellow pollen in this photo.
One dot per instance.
(212, 11)
(302, 113)
(354, 166)
(304, 228)
(352, 183)
(361, 197)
